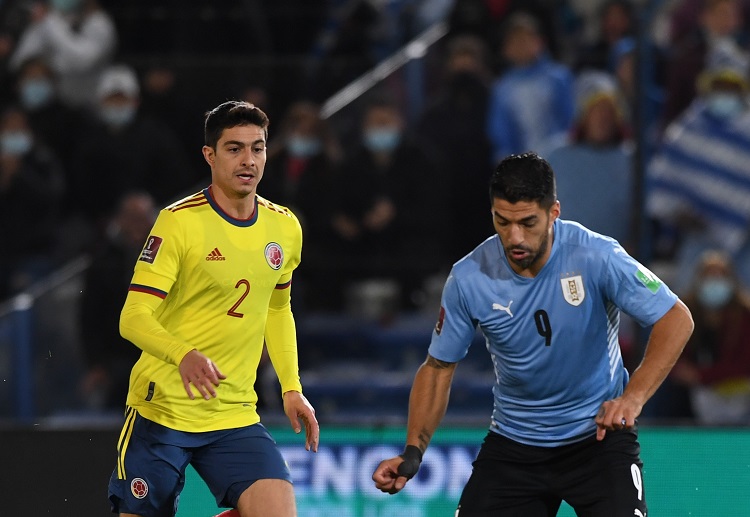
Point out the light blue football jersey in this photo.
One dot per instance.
(553, 338)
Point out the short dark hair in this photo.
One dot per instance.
(524, 177)
(232, 114)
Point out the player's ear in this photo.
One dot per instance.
(554, 211)
(209, 154)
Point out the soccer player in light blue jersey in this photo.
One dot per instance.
(547, 295)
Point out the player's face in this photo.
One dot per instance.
(238, 161)
(525, 230)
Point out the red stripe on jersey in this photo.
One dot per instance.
(284, 286)
(138, 288)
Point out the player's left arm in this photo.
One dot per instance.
(281, 343)
(668, 337)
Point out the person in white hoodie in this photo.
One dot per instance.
(77, 38)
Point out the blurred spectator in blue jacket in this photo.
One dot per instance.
(78, 39)
(699, 180)
(533, 99)
(595, 157)
(32, 186)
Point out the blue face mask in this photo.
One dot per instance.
(303, 147)
(714, 293)
(15, 143)
(725, 105)
(36, 93)
(118, 116)
(383, 139)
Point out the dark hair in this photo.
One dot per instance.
(524, 177)
(232, 114)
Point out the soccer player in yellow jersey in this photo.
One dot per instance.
(211, 286)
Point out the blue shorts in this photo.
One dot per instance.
(151, 463)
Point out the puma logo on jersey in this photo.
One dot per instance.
(498, 307)
(215, 255)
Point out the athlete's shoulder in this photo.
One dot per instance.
(188, 204)
(485, 256)
(274, 208)
(572, 233)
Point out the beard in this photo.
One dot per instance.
(532, 256)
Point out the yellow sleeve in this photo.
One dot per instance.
(281, 339)
(139, 326)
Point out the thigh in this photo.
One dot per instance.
(236, 459)
(268, 497)
(609, 479)
(505, 482)
(150, 471)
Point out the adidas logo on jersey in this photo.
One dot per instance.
(215, 255)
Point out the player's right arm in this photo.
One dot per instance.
(155, 271)
(428, 402)
(139, 326)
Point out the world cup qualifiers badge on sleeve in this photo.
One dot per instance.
(151, 249)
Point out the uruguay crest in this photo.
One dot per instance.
(572, 288)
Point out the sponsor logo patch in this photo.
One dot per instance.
(274, 255)
(139, 487)
(151, 249)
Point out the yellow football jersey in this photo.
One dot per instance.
(207, 281)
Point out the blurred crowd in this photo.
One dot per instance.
(642, 109)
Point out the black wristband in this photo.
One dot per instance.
(412, 456)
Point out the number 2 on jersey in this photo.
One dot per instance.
(542, 326)
(233, 311)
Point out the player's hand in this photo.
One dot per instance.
(619, 413)
(201, 372)
(387, 477)
(297, 408)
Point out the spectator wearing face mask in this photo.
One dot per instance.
(390, 204)
(31, 188)
(463, 99)
(54, 123)
(698, 182)
(77, 38)
(119, 151)
(718, 23)
(715, 366)
(299, 172)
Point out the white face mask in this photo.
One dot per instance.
(302, 146)
(117, 116)
(382, 139)
(715, 293)
(725, 105)
(36, 93)
(15, 143)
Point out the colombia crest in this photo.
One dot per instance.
(274, 255)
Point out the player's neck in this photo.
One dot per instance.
(236, 206)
